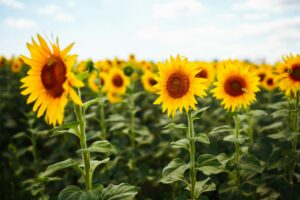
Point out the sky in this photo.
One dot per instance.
(258, 30)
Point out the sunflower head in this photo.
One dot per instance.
(96, 81)
(17, 65)
(50, 80)
(116, 81)
(289, 81)
(206, 71)
(270, 82)
(149, 81)
(235, 86)
(177, 85)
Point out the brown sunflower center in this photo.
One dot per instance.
(202, 74)
(178, 85)
(53, 76)
(235, 86)
(270, 81)
(152, 82)
(117, 80)
(261, 76)
(295, 72)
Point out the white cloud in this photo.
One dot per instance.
(176, 8)
(267, 5)
(13, 4)
(55, 12)
(19, 23)
(267, 39)
(71, 3)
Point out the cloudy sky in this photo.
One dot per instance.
(197, 29)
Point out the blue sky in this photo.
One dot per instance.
(198, 29)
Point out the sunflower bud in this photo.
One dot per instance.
(90, 66)
(128, 70)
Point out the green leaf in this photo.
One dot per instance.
(174, 171)
(183, 144)
(87, 104)
(82, 76)
(220, 129)
(197, 114)
(271, 126)
(70, 125)
(173, 125)
(116, 118)
(231, 138)
(202, 186)
(251, 163)
(59, 166)
(259, 113)
(20, 135)
(122, 191)
(209, 164)
(62, 132)
(276, 136)
(75, 193)
(280, 113)
(118, 126)
(96, 163)
(202, 137)
(102, 146)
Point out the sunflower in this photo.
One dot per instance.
(236, 86)
(262, 72)
(49, 81)
(270, 81)
(149, 81)
(96, 81)
(177, 85)
(116, 81)
(206, 71)
(289, 81)
(16, 65)
(114, 97)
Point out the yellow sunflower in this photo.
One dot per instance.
(270, 81)
(17, 65)
(49, 81)
(177, 85)
(149, 81)
(289, 81)
(235, 86)
(116, 81)
(206, 71)
(96, 81)
(262, 72)
(114, 97)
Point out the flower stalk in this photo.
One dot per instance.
(237, 148)
(80, 115)
(191, 137)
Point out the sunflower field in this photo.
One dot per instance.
(119, 129)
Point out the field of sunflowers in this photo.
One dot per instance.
(119, 129)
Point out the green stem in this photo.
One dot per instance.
(132, 124)
(191, 136)
(250, 126)
(85, 155)
(237, 148)
(102, 121)
(294, 128)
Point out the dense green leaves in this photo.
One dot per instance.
(123, 191)
(174, 171)
(209, 164)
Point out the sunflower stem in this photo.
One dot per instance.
(250, 126)
(294, 128)
(132, 125)
(102, 121)
(80, 115)
(237, 148)
(191, 136)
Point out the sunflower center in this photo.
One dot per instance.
(270, 81)
(234, 87)
(295, 72)
(117, 81)
(202, 74)
(261, 76)
(178, 85)
(53, 76)
(152, 82)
